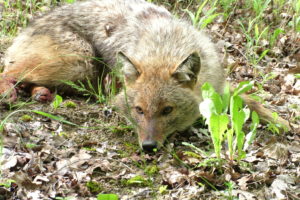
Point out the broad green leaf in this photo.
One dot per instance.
(218, 104)
(207, 90)
(57, 101)
(218, 126)
(239, 117)
(236, 104)
(229, 135)
(240, 143)
(251, 135)
(226, 98)
(107, 197)
(247, 114)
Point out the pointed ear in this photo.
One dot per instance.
(187, 72)
(128, 68)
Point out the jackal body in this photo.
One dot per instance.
(164, 60)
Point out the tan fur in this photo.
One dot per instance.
(43, 62)
(164, 60)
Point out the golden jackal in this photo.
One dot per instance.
(164, 61)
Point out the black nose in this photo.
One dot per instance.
(149, 145)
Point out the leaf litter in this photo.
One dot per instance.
(47, 159)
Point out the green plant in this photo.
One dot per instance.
(227, 6)
(70, 1)
(295, 22)
(88, 89)
(30, 145)
(209, 16)
(254, 35)
(7, 183)
(162, 189)
(57, 102)
(53, 117)
(17, 13)
(137, 181)
(275, 127)
(151, 170)
(26, 118)
(230, 186)
(94, 186)
(275, 35)
(107, 197)
(214, 109)
(70, 104)
(259, 6)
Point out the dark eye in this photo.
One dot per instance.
(167, 110)
(139, 110)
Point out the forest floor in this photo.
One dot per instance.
(46, 156)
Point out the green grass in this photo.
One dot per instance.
(262, 24)
(253, 22)
(16, 14)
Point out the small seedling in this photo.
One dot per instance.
(30, 145)
(151, 170)
(94, 186)
(230, 186)
(210, 15)
(57, 102)
(26, 118)
(137, 181)
(7, 183)
(162, 189)
(275, 127)
(70, 104)
(90, 149)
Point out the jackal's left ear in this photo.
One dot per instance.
(128, 68)
(186, 73)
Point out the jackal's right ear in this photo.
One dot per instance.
(129, 70)
(186, 73)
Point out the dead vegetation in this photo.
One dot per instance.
(44, 158)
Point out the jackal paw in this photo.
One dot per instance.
(8, 92)
(41, 94)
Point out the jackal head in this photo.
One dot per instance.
(158, 97)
